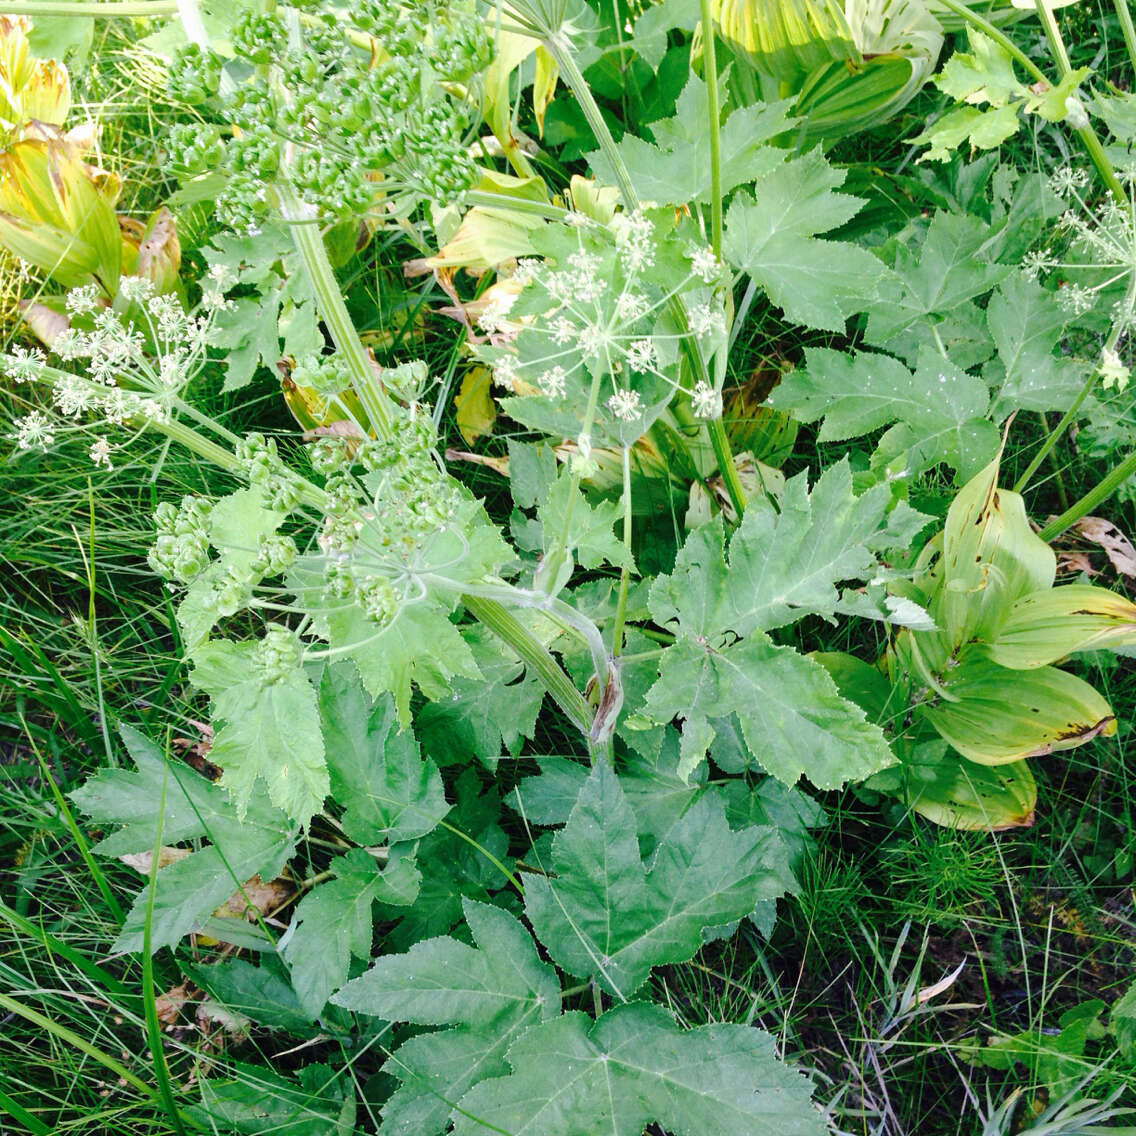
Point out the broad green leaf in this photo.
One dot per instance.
(484, 718)
(781, 565)
(941, 409)
(792, 717)
(855, 393)
(771, 236)
(603, 911)
(675, 169)
(261, 993)
(421, 646)
(532, 472)
(333, 922)
(950, 791)
(270, 730)
(785, 564)
(1045, 627)
(388, 791)
(447, 982)
(934, 273)
(986, 75)
(634, 1066)
(188, 891)
(1026, 323)
(491, 994)
(462, 860)
(237, 524)
(1047, 711)
(587, 530)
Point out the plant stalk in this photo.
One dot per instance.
(560, 50)
(710, 64)
(535, 655)
(1124, 15)
(625, 571)
(1099, 493)
(329, 300)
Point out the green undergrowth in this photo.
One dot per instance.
(912, 977)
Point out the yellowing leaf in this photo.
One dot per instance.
(991, 557)
(1001, 715)
(476, 411)
(544, 84)
(956, 793)
(1048, 625)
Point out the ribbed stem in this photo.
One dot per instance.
(309, 244)
(535, 655)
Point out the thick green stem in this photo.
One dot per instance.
(560, 50)
(1092, 499)
(535, 655)
(329, 300)
(1124, 15)
(1086, 133)
(710, 64)
(625, 571)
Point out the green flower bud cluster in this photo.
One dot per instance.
(194, 148)
(329, 456)
(278, 654)
(374, 594)
(353, 113)
(325, 374)
(274, 555)
(233, 591)
(265, 471)
(181, 550)
(195, 75)
(259, 37)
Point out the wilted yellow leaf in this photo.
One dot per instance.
(476, 411)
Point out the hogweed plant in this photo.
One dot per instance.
(381, 653)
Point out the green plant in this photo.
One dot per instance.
(493, 770)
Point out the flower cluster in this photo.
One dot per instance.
(1098, 268)
(137, 361)
(596, 328)
(351, 105)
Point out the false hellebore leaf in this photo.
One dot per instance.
(489, 994)
(187, 891)
(780, 567)
(603, 911)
